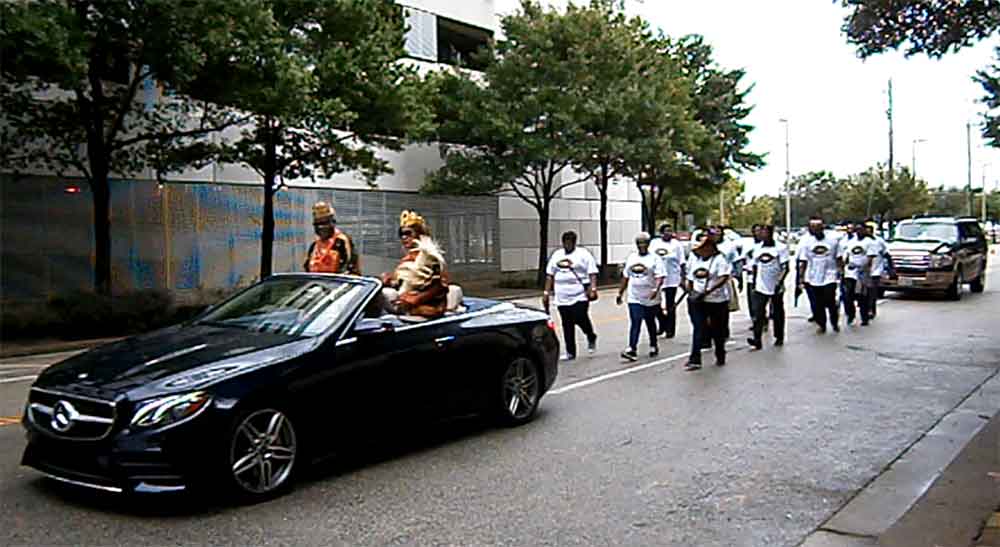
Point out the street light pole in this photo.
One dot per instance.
(913, 164)
(788, 184)
(985, 167)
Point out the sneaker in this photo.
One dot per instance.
(630, 355)
(755, 344)
(820, 330)
(592, 345)
(836, 327)
(653, 352)
(567, 357)
(669, 335)
(692, 366)
(864, 323)
(720, 363)
(779, 342)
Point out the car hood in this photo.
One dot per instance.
(926, 246)
(140, 360)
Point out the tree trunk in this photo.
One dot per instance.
(543, 244)
(602, 188)
(267, 228)
(101, 192)
(267, 223)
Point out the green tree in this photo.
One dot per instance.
(871, 193)
(617, 58)
(323, 82)
(517, 131)
(718, 103)
(918, 26)
(72, 72)
(815, 193)
(934, 29)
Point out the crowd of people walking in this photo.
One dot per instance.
(660, 274)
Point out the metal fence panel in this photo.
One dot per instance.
(187, 237)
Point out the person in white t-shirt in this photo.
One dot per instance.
(671, 252)
(819, 269)
(708, 275)
(879, 268)
(858, 254)
(642, 277)
(769, 270)
(571, 276)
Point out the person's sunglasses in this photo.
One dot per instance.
(406, 233)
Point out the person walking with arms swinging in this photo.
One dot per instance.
(708, 276)
(571, 276)
(769, 269)
(642, 277)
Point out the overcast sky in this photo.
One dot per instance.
(804, 71)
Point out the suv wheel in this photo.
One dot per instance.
(955, 290)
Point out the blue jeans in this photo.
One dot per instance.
(638, 314)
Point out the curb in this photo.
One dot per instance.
(937, 492)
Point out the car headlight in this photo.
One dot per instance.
(942, 261)
(170, 409)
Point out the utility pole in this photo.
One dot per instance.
(913, 164)
(968, 185)
(985, 166)
(871, 188)
(788, 185)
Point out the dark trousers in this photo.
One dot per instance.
(823, 300)
(855, 297)
(637, 315)
(874, 294)
(758, 308)
(668, 320)
(709, 320)
(576, 315)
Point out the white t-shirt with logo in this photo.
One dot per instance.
(770, 262)
(856, 253)
(569, 273)
(878, 265)
(730, 249)
(706, 272)
(642, 272)
(672, 254)
(820, 256)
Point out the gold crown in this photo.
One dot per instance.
(322, 211)
(411, 218)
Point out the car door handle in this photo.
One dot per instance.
(440, 343)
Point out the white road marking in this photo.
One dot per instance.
(18, 379)
(623, 372)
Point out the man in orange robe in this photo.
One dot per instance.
(333, 251)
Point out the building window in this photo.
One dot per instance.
(421, 35)
(458, 43)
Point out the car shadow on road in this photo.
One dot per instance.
(199, 504)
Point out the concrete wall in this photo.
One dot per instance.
(578, 209)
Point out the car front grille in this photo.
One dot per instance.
(911, 260)
(70, 416)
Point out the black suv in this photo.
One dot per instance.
(938, 253)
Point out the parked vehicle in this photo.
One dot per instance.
(938, 254)
(292, 369)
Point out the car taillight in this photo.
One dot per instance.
(552, 325)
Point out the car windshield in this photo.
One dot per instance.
(927, 231)
(298, 307)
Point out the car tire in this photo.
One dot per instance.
(518, 392)
(263, 454)
(954, 292)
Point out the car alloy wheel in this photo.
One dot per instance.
(955, 290)
(262, 453)
(521, 388)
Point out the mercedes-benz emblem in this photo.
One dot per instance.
(63, 416)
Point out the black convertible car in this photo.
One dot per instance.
(289, 370)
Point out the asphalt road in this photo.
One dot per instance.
(760, 452)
